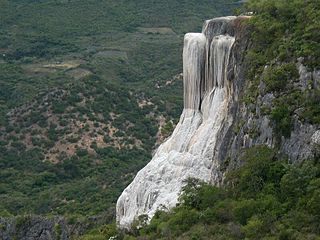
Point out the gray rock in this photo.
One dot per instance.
(298, 147)
(315, 139)
(196, 145)
(34, 228)
(207, 150)
(316, 79)
(304, 76)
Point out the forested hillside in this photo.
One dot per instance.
(87, 90)
(267, 198)
(265, 194)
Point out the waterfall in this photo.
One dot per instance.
(191, 149)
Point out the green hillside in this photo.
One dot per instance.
(87, 90)
(267, 197)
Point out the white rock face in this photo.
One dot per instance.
(190, 151)
(315, 139)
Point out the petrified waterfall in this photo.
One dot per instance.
(191, 150)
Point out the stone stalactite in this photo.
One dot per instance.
(193, 69)
(191, 149)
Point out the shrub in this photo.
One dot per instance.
(182, 220)
(253, 176)
(81, 152)
(254, 229)
(281, 116)
(295, 182)
(245, 209)
(277, 78)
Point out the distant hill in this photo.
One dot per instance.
(87, 90)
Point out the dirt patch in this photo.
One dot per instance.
(51, 67)
(143, 102)
(73, 131)
(63, 65)
(78, 73)
(160, 30)
(112, 54)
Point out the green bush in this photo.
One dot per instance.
(281, 32)
(281, 115)
(254, 229)
(182, 220)
(311, 111)
(254, 175)
(245, 209)
(277, 78)
(282, 204)
(295, 182)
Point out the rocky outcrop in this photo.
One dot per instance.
(216, 123)
(34, 228)
(212, 65)
(252, 126)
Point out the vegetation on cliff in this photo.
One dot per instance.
(122, 58)
(284, 38)
(266, 198)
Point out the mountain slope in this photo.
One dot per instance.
(87, 89)
(269, 158)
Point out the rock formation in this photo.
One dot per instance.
(216, 124)
(34, 227)
(209, 70)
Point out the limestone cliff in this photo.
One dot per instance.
(212, 68)
(34, 227)
(216, 123)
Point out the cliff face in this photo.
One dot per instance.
(33, 227)
(30, 228)
(213, 78)
(216, 123)
(252, 126)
